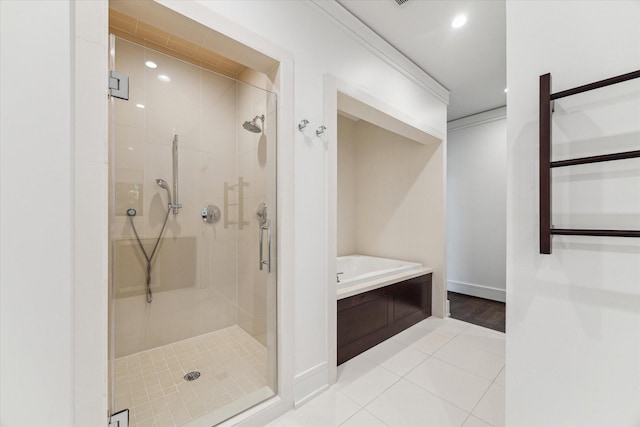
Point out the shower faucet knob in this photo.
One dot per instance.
(210, 214)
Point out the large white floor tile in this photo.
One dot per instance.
(448, 327)
(460, 387)
(480, 362)
(483, 339)
(500, 379)
(431, 343)
(363, 419)
(406, 405)
(436, 390)
(383, 351)
(353, 369)
(475, 422)
(410, 335)
(404, 361)
(491, 406)
(331, 408)
(364, 389)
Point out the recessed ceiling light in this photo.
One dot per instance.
(140, 105)
(506, 89)
(151, 64)
(164, 78)
(459, 21)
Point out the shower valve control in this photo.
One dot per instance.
(210, 214)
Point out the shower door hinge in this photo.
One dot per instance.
(118, 85)
(119, 419)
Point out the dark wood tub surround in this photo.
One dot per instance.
(367, 319)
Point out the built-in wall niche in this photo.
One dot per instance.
(390, 183)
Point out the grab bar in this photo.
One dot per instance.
(263, 224)
(267, 261)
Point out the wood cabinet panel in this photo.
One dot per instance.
(367, 319)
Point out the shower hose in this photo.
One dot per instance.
(131, 213)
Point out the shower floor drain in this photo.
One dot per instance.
(191, 376)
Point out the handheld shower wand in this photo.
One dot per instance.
(163, 184)
(149, 258)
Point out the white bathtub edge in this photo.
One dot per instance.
(379, 283)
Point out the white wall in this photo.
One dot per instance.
(36, 268)
(573, 317)
(476, 205)
(53, 213)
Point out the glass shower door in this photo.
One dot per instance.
(192, 242)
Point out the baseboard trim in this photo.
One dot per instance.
(479, 291)
(310, 383)
(311, 396)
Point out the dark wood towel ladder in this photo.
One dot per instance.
(546, 108)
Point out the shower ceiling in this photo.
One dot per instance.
(145, 34)
(150, 24)
(469, 61)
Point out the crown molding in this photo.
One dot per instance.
(477, 119)
(364, 35)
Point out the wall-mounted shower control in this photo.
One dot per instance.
(210, 214)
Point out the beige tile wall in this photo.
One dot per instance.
(198, 275)
(256, 162)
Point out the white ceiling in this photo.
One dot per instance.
(469, 61)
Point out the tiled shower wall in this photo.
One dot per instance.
(195, 272)
(256, 163)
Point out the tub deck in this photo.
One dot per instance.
(358, 288)
(363, 273)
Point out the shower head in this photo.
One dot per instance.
(163, 184)
(253, 126)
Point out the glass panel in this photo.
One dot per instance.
(190, 296)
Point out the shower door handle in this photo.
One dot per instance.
(263, 262)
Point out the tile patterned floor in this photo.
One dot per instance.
(232, 365)
(440, 372)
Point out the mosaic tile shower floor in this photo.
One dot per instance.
(151, 384)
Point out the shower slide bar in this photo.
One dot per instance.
(174, 150)
(546, 109)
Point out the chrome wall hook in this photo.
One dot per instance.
(303, 124)
(320, 130)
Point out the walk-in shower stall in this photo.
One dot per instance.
(192, 241)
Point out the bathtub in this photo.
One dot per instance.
(361, 273)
